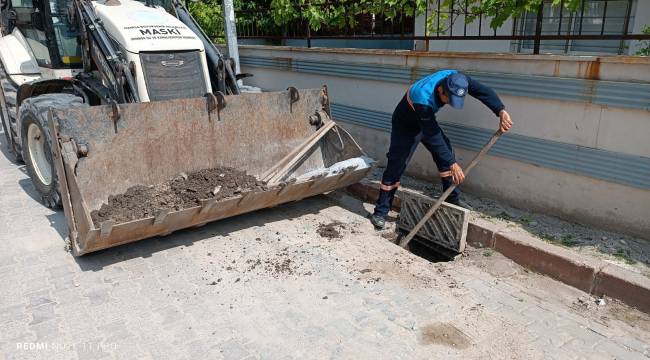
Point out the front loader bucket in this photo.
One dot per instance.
(103, 150)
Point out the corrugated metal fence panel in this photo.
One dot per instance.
(363, 71)
(600, 164)
(610, 93)
(268, 63)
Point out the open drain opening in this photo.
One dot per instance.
(431, 252)
(442, 236)
(428, 250)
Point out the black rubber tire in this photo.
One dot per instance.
(34, 111)
(8, 90)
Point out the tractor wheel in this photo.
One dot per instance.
(8, 114)
(37, 142)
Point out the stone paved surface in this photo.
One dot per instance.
(267, 286)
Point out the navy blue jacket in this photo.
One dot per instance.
(426, 103)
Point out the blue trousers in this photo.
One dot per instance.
(405, 136)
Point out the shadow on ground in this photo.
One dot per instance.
(4, 147)
(57, 219)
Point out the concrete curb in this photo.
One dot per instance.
(593, 276)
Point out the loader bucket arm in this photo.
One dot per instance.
(222, 73)
(102, 151)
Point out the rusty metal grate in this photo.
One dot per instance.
(447, 228)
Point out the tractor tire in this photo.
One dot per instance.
(8, 90)
(37, 142)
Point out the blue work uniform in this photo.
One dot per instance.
(414, 121)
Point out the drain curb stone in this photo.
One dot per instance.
(634, 289)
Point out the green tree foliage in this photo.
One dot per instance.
(645, 45)
(209, 15)
(502, 10)
(339, 14)
(344, 13)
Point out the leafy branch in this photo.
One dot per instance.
(274, 15)
(645, 45)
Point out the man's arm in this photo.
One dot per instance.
(487, 96)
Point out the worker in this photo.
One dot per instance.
(414, 121)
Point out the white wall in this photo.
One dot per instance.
(575, 197)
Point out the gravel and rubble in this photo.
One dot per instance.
(330, 230)
(620, 249)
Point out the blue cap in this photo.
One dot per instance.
(456, 87)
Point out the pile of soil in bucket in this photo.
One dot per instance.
(181, 192)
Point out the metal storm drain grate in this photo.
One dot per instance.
(447, 228)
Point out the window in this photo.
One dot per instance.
(23, 9)
(22, 4)
(595, 17)
(54, 42)
(37, 42)
(65, 33)
(35, 38)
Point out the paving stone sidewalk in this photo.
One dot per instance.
(267, 286)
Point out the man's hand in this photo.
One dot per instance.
(457, 174)
(505, 123)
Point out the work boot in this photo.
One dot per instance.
(460, 202)
(377, 221)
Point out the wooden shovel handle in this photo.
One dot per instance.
(297, 154)
(405, 241)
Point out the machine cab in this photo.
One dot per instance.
(45, 28)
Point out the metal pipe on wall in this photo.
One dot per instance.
(231, 34)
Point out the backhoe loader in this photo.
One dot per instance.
(100, 96)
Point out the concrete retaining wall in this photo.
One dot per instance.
(579, 148)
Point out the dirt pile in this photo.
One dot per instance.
(331, 230)
(278, 267)
(183, 191)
